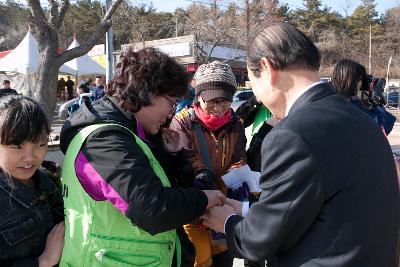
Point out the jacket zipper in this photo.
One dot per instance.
(169, 243)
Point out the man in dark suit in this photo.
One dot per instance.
(329, 188)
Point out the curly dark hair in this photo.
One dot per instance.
(147, 72)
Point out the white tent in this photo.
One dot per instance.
(21, 64)
(24, 58)
(84, 65)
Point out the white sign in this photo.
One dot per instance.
(176, 50)
(226, 53)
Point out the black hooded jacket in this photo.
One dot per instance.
(247, 113)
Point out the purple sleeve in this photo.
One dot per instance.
(95, 185)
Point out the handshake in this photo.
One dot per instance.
(240, 181)
(219, 208)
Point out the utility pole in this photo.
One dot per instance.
(387, 73)
(109, 49)
(370, 49)
(176, 26)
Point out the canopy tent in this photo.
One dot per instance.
(22, 63)
(84, 65)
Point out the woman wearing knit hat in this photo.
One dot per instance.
(215, 143)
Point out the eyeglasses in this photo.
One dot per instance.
(171, 102)
(223, 103)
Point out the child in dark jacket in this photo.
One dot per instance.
(31, 227)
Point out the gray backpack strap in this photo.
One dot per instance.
(204, 153)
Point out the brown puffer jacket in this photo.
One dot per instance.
(227, 145)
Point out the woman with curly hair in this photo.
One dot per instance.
(120, 207)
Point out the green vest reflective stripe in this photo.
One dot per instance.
(98, 234)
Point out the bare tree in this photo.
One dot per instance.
(346, 7)
(254, 15)
(210, 26)
(47, 23)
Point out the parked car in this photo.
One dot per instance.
(240, 97)
(392, 99)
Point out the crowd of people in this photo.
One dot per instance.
(144, 185)
(66, 88)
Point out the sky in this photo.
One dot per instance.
(336, 5)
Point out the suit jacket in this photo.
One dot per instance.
(329, 190)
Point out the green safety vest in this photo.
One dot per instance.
(98, 234)
(262, 115)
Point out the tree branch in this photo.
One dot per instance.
(53, 16)
(38, 16)
(111, 10)
(100, 31)
(62, 10)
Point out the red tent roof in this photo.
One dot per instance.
(4, 53)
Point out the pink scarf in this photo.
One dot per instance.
(211, 121)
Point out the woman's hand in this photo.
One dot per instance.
(51, 254)
(215, 198)
(172, 140)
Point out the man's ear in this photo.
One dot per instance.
(270, 71)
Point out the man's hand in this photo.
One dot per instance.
(236, 205)
(216, 216)
(215, 198)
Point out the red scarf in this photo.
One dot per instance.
(211, 121)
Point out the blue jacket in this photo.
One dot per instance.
(378, 114)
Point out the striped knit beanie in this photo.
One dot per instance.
(215, 80)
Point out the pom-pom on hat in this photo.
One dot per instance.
(215, 80)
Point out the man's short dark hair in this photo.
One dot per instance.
(85, 87)
(6, 81)
(285, 47)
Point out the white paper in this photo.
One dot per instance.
(235, 178)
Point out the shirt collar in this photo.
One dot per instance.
(298, 95)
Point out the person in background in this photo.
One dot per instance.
(187, 98)
(98, 90)
(70, 87)
(348, 78)
(329, 185)
(60, 87)
(114, 176)
(32, 212)
(224, 145)
(7, 90)
(84, 95)
(258, 122)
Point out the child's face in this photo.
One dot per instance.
(21, 162)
